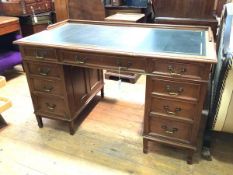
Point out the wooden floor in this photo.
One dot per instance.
(108, 139)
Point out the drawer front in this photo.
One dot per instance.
(54, 87)
(40, 54)
(175, 69)
(51, 105)
(175, 88)
(170, 128)
(104, 61)
(173, 108)
(44, 69)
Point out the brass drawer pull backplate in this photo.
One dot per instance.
(168, 111)
(169, 130)
(173, 72)
(173, 90)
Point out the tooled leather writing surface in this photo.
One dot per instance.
(126, 39)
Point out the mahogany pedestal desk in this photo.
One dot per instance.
(62, 66)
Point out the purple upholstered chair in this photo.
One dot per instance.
(9, 53)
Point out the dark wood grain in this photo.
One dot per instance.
(31, 29)
(80, 9)
(186, 12)
(61, 10)
(86, 10)
(220, 5)
(184, 8)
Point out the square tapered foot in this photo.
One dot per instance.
(39, 121)
(2, 122)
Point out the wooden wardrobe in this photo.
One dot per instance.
(79, 9)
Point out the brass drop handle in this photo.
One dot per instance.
(173, 91)
(172, 71)
(169, 131)
(168, 111)
(80, 60)
(44, 71)
(47, 88)
(51, 107)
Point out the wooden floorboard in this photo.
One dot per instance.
(108, 139)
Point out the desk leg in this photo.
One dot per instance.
(145, 145)
(190, 157)
(2, 122)
(39, 121)
(102, 92)
(71, 127)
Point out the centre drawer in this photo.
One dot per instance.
(136, 64)
(44, 69)
(173, 107)
(51, 105)
(54, 87)
(171, 129)
(176, 88)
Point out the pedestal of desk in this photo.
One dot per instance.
(61, 92)
(174, 103)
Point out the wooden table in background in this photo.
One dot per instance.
(126, 17)
(8, 25)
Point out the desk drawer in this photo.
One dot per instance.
(178, 89)
(179, 69)
(40, 54)
(174, 108)
(44, 69)
(54, 87)
(170, 129)
(104, 61)
(51, 105)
